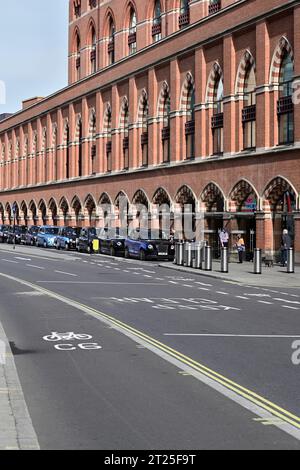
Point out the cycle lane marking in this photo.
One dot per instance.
(243, 396)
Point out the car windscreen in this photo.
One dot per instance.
(73, 232)
(20, 229)
(52, 231)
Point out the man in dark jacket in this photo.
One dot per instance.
(286, 244)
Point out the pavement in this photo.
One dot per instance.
(16, 429)
(167, 360)
(244, 274)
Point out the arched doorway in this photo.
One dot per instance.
(244, 204)
(281, 201)
(213, 204)
(185, 214)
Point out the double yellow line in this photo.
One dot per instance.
(284, 415)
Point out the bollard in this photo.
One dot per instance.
(290, 261)
(188, 255)
(198, 255)
(176, 254)
(224, 260)
(257, 261)
(180, 254)
(208, 258)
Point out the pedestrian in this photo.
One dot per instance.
(286, 244)
(241, 248)
(224, 238)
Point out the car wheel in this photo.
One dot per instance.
(67, 247)
(142, 255)
(45, 244)
(112, 251)
(126, 253)
(89, 249)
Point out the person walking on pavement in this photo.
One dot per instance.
(224, 238)
(240, 244)
(286, 244)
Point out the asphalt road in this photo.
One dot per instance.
(176, 361)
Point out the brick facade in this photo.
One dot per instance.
(155, 109)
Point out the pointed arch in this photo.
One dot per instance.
(64, 206)
(161, 197)
(275, 191)
(66, 132)
(213, 198)
(140, 197)
(216, 74)
(163, 96)
(77, 209)
(107, 118)
(90, 32)
(76, 41)
(188, 88)
(143, 106)
(239, 194)
(247, 62)
(92, 123)
(124, 113)
(78, 127)
(109, 16)
(105, 199)
(54, 210)
(185, 195)
(283, 47)
(90, 208)
(24, 210)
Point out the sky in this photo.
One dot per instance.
(33, 50)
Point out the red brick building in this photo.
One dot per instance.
(170, 101)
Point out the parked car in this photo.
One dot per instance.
(112, 241)
(147, 244)
(67, 238)
(46, 236)
(16, 234)
(3, 233)
(31, 235)
(86, 239)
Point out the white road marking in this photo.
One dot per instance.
(241, 297)
(33, 266)
(291, 308)
(173, 282)
(222, 293)
(9, 261)
(203, 288)
(67, 274)
(265, 302)
(246, 403)
(203, 284)
(22, 259)
(216, 335)
(104, 283)
(287, 301)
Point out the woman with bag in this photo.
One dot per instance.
(240, 245)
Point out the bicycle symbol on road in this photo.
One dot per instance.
(70, 336)
(56, 337)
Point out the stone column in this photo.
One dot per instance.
(229, 105)
(263, 59)
(152, 128)
(175, 151)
